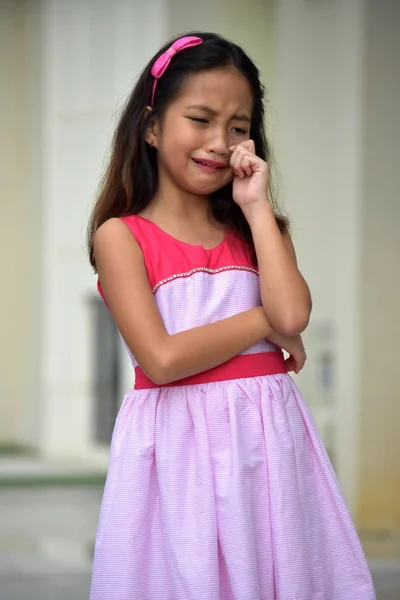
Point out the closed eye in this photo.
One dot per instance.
(202, 121)
(198, 120)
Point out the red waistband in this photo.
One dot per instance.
(245, 365)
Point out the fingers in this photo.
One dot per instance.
(300, 360)
(290, 364)
(247, 145)
(296, 362)
(239, 162)
(242, 161)
(241, 158)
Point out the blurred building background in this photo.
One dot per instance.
(331, 68)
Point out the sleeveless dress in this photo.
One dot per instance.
(220, 490)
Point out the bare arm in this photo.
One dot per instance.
(163, 357)
(284, 292)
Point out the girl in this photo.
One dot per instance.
(219, 487)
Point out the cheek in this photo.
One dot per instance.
(185, 137)
(190, 140)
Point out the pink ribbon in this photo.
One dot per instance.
(161, 64)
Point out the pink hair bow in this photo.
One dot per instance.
(161, 64)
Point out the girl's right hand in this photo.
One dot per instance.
(294, 347)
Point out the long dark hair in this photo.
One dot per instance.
(131, 178)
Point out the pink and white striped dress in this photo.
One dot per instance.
(219, 488)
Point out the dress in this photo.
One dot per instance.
(220, 490)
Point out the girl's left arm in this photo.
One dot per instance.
(285, 294)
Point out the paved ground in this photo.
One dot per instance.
(46, 545)
(46, 542)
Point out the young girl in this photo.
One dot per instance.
(219, 487)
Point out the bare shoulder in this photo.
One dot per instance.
(119, 258)
(113, 241)
(110, 232)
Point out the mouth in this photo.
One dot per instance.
(210, 165)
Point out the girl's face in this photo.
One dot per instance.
(211, 114)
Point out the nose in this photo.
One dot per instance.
(218, 143)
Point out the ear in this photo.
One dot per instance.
(151, 136)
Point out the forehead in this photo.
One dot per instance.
(220, 89)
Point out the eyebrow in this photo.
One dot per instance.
(210, 111)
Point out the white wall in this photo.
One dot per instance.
(380, 418)
(92, 52)
(318, 101)
(183, 16)
(19, 222)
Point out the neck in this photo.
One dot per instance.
(179, 204)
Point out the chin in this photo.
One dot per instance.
(202, 191)
(205, 190)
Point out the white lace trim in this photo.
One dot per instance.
(203, 270)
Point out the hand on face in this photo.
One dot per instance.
(250, 184)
